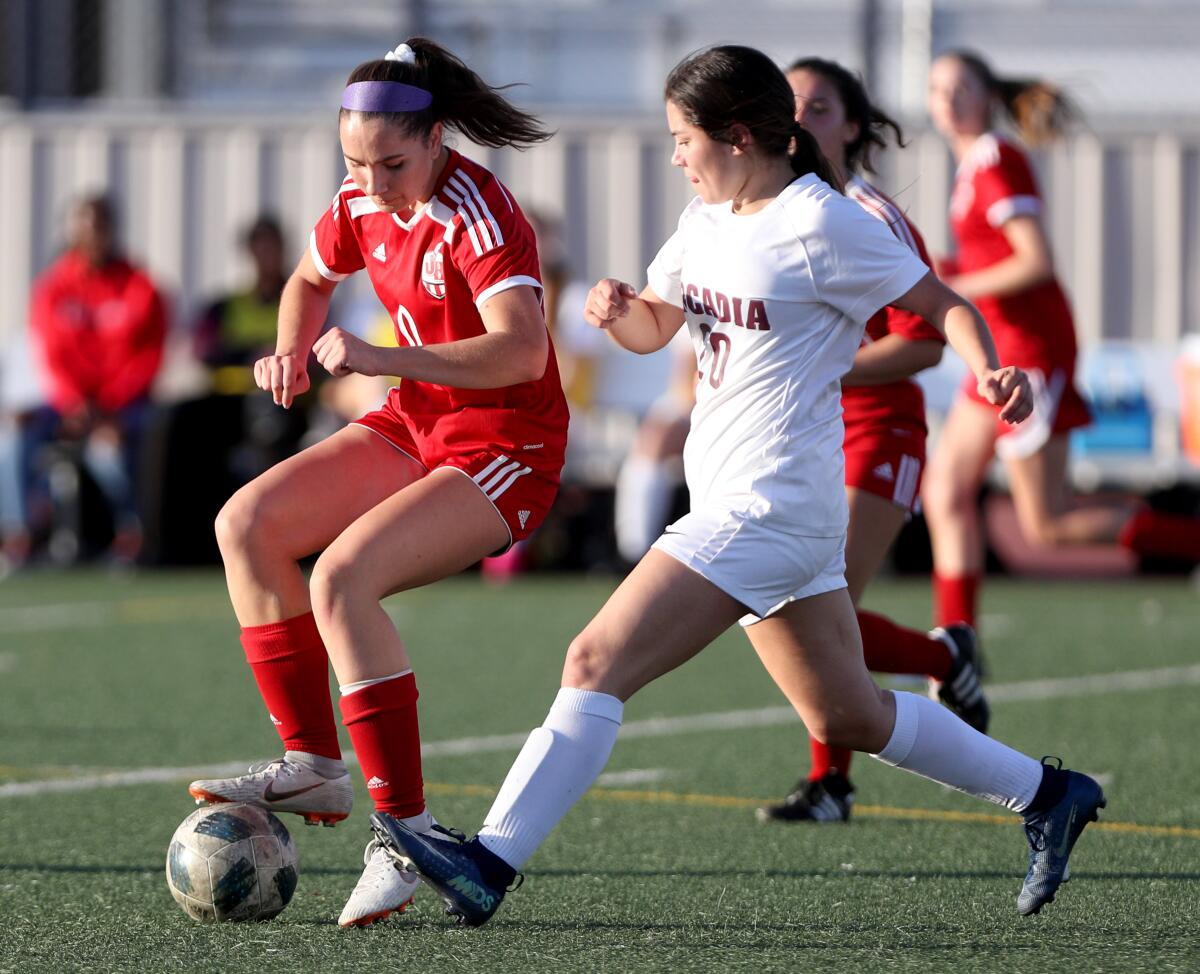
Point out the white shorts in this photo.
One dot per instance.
(759, 565)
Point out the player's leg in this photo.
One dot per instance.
(658, 618)
(825, 793)
(293, 510)
(950, 499)
(1050, 515)
(435, 527)
(810, 648)
(648, 478)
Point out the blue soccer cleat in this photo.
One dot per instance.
(471, 880)
(1052, 834)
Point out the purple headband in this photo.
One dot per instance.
(385, 96)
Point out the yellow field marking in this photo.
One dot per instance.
(867, 811)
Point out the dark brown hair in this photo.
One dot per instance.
(872, 123)
(730, 85)
(461, 99)
(1040, 110)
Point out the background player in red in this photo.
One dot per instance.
(1004, 265)
(462, 461)
(884, 414)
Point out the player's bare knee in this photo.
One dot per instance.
(235, 524)
(587, 664)
(332, 585)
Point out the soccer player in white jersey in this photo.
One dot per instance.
(774, 272)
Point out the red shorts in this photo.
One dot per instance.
(1057, 408)
(520, 486)
(886, 461)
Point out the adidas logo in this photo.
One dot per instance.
(376, 782)
(884, 472)
(522, 516)
(380, 252)
(275, 720)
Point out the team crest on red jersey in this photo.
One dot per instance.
(433, 271)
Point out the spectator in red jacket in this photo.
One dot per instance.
(97, 325)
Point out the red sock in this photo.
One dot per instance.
(1156, 535)
(889, 648)
(382, 720)
(292, 671)
(826, 759)
(955, 599)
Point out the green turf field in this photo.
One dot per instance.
(663, 868)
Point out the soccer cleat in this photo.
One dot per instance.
(961, 691)
(383, 888)
(449, 866)
(827, 799)
(282, 786)
(1052, 834)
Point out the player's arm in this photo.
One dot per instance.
(1030, 263)
(642, 323)
(303, 307)
(513, 349)
(892, 358)
(968, 334)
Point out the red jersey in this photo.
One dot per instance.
(892, 403)
(98, 331)
(995, 183)
(432, 272)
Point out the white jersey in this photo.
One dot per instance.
(775, 303)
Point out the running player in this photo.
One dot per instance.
(462, 461)
(1004, 265)
(884, 415)
(775, 274)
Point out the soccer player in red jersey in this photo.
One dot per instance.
(883, 411)
(461, 461)
(1004, 265)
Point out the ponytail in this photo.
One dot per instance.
(460, 98)
(873, 124)
(807, 157)
(1041, 111)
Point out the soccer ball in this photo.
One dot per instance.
(232, 861)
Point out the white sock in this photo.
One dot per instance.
(645, 488)
(931, 741)
(558, 763)
(348, 688)
(325, 767)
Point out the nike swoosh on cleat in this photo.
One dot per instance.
(271, 795)
(1066, 841)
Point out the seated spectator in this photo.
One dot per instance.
(239, 328)
(97, 328)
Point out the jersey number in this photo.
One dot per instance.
(720, 345)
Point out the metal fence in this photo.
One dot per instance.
(1124, 207)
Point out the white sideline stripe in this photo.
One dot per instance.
(1075, 686)
(634, 776)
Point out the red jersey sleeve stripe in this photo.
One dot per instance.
(462, 175)
(474, 219)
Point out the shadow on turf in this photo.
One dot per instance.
(688, 873)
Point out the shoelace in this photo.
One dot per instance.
(1036, 836)
(381, 874)
(262, 767)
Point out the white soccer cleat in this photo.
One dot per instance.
(383, 888)
(282, 786)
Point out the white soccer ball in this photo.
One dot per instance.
(232, 861)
